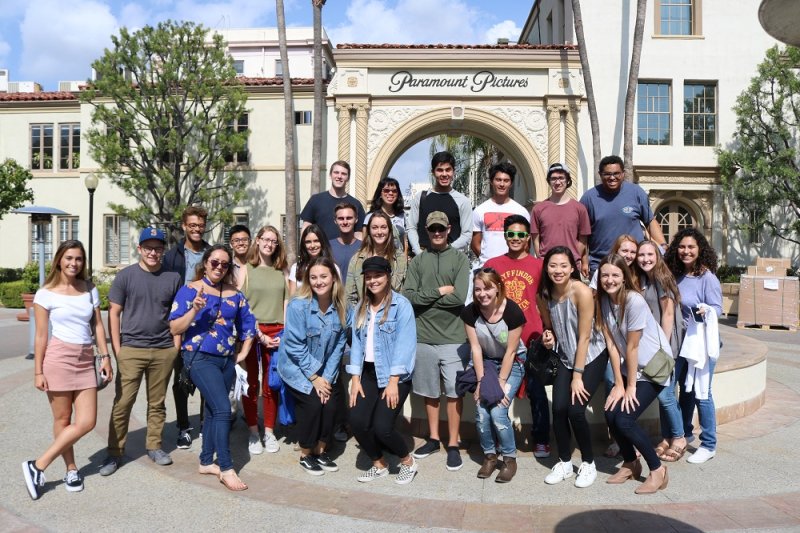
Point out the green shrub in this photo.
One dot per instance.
(11, 293)
(103, 289)
(10, 274)
(730, 274)
(30, 275)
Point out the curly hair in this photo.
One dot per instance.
(706, 256)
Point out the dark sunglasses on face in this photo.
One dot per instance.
(485, 270)
(436, 229)
(215, 264)
(516, 234)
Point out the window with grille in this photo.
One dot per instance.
(69, 147)
(672, 218)
(41, 147)
(234, 127)
(116, 240)
(699, 114)
(48, 241)
(653, 113)
(67, 229)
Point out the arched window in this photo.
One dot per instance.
(674, 217)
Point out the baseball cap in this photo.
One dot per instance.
(437, 217)
(558, 167)
(152, 233)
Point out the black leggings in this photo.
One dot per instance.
(314, 418)
(627, 432)
(566, 413)
(372, 421)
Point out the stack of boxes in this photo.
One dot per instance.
(767, 296)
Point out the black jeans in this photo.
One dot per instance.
(314, 418)
(181, 399)
(372, 421)
(540, 412)
(567, 414)
(627, 432)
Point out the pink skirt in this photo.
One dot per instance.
(68, 367)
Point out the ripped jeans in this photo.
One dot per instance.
(492, 421)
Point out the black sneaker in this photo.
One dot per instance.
(311, 466)
(34, 479)
(430, 446)
(185, 439)
(454, 461)
(326, 463)
(73, 481)
(110, 465)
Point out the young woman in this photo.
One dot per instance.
(494, 330)
(267, 292)
(64, 365)
(212, 315)
(661, 294)
(377, 242)
(693, 262)
(633, 337)
(388, 199)
(309, 357)
(381, 363)
(313, 244)
(567, 309)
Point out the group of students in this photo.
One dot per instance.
(397, 299)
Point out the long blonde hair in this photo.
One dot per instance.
(55, 270)
(337, 291)
(367, 299)
(628, 285)
(278, 255)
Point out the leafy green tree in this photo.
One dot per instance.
(474, 156)
(760, 168)
(14, 191)
(166, 114)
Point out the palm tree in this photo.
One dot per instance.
(473, 157)
(316, 143)
(633, 79)
(587, 78)
(288, 118)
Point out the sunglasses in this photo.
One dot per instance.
(485, 270)
(215, 264)
(516, 234)
(436, 229)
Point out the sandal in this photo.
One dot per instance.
(232, 481)
(673, 454)
(662, 448)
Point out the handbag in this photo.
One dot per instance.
(185, 382)
(542, 362)
(659, 368)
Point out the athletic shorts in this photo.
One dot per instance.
(437, 363)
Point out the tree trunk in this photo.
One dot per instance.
(316, 143)
(587, 80)
(288, 118)
(630, 96)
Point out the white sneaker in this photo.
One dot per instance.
(271, 443)
(559, 473)
(407, 473)
(587, 473)
(254, 445)
(701, 456)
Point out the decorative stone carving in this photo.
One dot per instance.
(383, 121)
(530, 122)
(702, 180)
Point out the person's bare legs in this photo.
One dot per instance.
(432, 412)
(454, 408)
(67, 431)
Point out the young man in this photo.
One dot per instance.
(436, 285)
(442, 198)
(615, 208)
(239, 237)
(140, 302)
(488, 218)
(346, 244)
(521, 274)
(560, 220)
(319, 207)
(183, 259)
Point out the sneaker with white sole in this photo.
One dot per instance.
(254, 445)
(541, 451)
(311, 466)
(110, 465)
(407, 473)
(454, 461)
(372, 474)
(34, 479)
(561, 471)
(159, 457)
(587, 473)
(326, 463)
(701, 456)
(271, 443)
(185, 439)
(73, 481)
(430, 446)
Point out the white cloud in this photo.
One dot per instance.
(61, 39)
(503, 30)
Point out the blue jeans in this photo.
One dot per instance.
(540, 410)
(492, 420)
(214, 376)
(670, 412)
(706, 411)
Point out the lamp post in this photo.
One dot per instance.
(91, 183)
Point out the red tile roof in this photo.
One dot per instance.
(261, 82)
(40, 96)
(356, 46)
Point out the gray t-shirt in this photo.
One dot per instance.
(493, 336)
(192, 260)
(146, 299)
(637, 318)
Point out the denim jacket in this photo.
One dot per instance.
(313, 343)
(395, 343)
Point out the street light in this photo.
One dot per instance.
(91, 183)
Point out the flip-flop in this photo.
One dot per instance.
(229, 479)
(673, 454)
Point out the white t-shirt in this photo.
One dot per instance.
(69, 315)
(488, 219)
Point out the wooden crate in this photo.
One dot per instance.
(768, 301)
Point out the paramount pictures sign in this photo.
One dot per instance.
(479, 83)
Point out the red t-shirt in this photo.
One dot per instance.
(560, 225)
(521, 278)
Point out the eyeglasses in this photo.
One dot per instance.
(558, 179)
(215, 264)
(148, 250)
(196, 226)
(516, 234)
(389, 191)
(612, 174)
(243, 240)
(273, 242)
(436, 229)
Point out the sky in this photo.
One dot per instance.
(48, 41)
